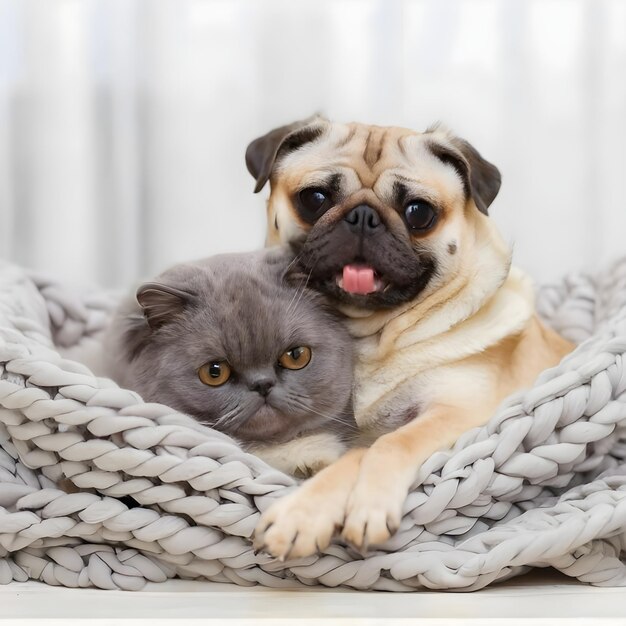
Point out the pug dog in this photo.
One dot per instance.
(393, 226)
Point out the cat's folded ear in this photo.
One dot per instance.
(161, 303)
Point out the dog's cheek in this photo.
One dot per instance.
(283, 225)
(447, 263)
(449, 246)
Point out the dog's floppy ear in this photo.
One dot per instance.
(160, 303)
(481, 179)
(262, 153)
(484, 177)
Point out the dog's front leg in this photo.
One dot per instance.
(390, 466)
(305, 521)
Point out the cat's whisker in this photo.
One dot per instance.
(227, 418)
(295, 260)
(333, 418)
(295, 295)
(302, 290)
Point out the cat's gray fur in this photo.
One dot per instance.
(245, 309)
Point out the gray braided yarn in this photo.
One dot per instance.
(157, 495)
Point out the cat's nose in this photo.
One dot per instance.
(262, 385)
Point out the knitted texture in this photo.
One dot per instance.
(155, 495)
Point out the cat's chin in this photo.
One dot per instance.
(265, 424)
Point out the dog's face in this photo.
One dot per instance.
(378, 216)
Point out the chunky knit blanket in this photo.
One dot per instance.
(153, 495)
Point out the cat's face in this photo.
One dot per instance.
(230, 342)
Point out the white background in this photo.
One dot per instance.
(123, 123)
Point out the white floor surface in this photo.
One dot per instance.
(541, 594)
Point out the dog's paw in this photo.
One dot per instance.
(373, 515)
(297, 526)
(375, 503)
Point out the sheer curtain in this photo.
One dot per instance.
(123, 123)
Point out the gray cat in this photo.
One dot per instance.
(234, 342)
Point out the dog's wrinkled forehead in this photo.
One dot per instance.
(354, 156)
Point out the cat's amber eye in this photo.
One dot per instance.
(295, 358)
(214, 373)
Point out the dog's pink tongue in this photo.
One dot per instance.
(358, 279)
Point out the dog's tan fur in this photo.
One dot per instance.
(426, 371)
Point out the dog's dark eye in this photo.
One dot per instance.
(314, 202)
(420, 215)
